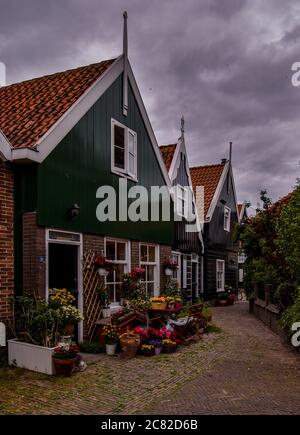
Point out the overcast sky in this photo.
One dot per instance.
(226, 65)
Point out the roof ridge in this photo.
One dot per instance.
(46, 76)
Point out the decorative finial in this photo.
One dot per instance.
(182, 125)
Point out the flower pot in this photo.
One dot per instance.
(111, 349)
(169, 349)
(64, 367)
(231, 299)
(130, 344)
(31, 357)
(69, 329)
(102, 271)
(148, 352)
(157, 351)
(106, 313)
(168, 272)
(158, 305)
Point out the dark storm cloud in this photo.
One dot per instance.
(225, 64)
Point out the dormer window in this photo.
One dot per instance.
(227, 216)
(123, 150)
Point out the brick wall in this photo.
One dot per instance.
(165, 253)
(34, 255)
(6, 242)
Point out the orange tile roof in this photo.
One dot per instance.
(28, 109)
(167, 152)
(207, 176)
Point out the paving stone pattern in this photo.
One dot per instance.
(246, 369)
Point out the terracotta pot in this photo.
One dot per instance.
(64, 367)
(130, 344)
(231, 299)
(69, 329)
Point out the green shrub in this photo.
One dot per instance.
(292, 313)
(93, 347)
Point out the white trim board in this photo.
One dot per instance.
(213, 204)
(175, 164)
(5, 147)
(69, 119)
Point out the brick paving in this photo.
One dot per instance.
(256, 373)
(244, 370)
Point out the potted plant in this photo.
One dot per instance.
(64, 358)
(148, 350)
(157, 346)
(103, 295)
(169, 345)
(70, 315)
(104, 265)
(111, 338)
(170, 266)
(130, 343)
(230, 294)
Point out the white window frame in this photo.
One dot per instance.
(222, 288)
(177, 272)
(119, 171)
(181, 195)
(126, 262)
(152, 263)
(227, 222)
(195, 260)
(65, 241)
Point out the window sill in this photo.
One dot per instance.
(124, 175)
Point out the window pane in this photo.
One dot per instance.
(119, 158)
(150, 290)
(131, 143)
(110, 277)
(121, 251)
(119, 137)
(119, 272)
(151, 253)
(111, 293)
(150, 273)
(118, 292)
(110, 250)
(144, 256)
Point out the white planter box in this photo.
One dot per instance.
(31, 357)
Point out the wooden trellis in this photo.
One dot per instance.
(91, 280)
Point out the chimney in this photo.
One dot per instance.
(2, 74)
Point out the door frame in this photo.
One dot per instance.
(79, 244)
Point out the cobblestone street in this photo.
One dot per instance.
(243, 370)
(256, 373)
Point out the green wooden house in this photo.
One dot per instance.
(63, 138)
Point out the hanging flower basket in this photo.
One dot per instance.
(102, 271)
(104, 265)
(170, 266)
(168, 272)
